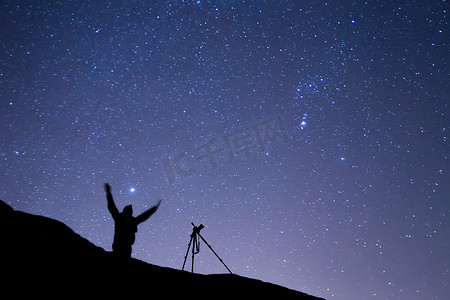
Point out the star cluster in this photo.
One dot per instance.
(309, 137)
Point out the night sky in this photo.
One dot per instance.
(310, 138)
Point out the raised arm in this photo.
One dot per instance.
(111, 205)
(147, 214)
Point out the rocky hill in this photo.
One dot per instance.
(40, 256)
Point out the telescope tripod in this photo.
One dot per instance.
(196, 247)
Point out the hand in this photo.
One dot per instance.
(107, 188)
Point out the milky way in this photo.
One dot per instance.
(310, 138)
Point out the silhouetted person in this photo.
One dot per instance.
(125, 225)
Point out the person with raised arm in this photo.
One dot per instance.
(125, 225)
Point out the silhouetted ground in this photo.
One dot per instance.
(40, 256)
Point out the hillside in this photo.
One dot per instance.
(43, 257)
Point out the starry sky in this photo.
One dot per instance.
(309, 137)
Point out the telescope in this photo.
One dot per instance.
(197, 229)
(196, 247)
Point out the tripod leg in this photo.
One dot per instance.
(187, 252)
(213, 252)
(193, 252)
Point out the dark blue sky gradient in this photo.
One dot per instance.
(310, 138)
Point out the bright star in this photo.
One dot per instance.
(132, 190)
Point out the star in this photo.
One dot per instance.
(133, 95)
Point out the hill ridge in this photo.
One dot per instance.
(43, 256)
